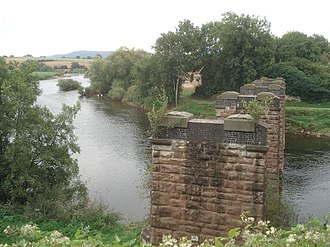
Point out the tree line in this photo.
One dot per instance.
(235, 50)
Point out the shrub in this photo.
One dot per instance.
(133, 95)
(68, 84)
(156, 113)
(116, 93)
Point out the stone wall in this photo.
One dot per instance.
(202, 183)
(230, 103)
(207, 172)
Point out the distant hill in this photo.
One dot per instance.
(82, 54)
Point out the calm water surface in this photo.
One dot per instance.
(115, 154)
(115, 151)
(307, 175)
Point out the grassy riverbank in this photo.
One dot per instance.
(308, 118)
(301, 117)
(89, 224)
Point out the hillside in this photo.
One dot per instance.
(82, 54)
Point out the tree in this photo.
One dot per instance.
(35, 145)
(296, 47)
(240, 48)
(118, 66)
(177, 53)
(303, 61)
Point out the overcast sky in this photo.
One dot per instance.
(48, 27)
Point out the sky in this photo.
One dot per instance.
(49, 27)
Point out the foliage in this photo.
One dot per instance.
(176, 54)
(76, 65)
(236, 50)
(35, 145)
(304, 63)
(230, 52)
(299, 83)
(256, 107)
(68, 84)
(116, 93)
(314, 233)
(156, 113)
(118, 66)
(279, 211)
(87, 223)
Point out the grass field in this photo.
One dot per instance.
(53, 61)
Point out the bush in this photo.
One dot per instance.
(116, 93)
(133, 95)
(68, 84)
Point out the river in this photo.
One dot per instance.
(115, 152)
(115, 155)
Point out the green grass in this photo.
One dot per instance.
(89, 225)
(307, 105)
(199, 107)
(308, 119)
(45, 75)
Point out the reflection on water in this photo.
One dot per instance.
(114, 149)
(307, 175)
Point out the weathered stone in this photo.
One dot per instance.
(239, 122)
(209, 177)
(176, 119)
(229, 95)
(249, 86)
(263, 95)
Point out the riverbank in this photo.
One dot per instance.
(308, 119)
(95, 223)
(301, 118)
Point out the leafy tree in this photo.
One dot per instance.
(236, 50)
(118, 66)
(298, 83)
(35, 145)
(296, 47)
(177, 53)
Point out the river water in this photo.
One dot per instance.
(115, 152)
(307, 175)
(115, 155)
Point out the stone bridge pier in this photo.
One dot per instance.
(205, 173)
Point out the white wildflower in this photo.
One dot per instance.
(291, 239)
(29, 229)
(9, 230)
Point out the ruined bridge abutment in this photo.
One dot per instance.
(207, 172)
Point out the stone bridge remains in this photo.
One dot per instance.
(207, 172)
